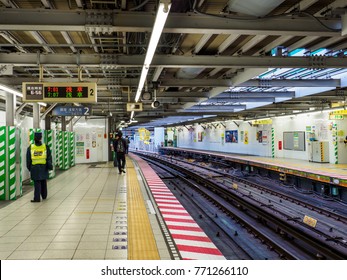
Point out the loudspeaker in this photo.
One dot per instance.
(155, 104)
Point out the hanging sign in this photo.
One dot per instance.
(59, 92)
(258, 122)
(339, 112)
(71, 111)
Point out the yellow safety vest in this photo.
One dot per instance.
(38, 154)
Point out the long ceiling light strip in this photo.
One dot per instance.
(17, 93)
(160, 19)
(10, 90)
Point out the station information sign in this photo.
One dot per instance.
(59, 92)
(71, 111)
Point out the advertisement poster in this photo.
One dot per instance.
(260, 136)
(87, 140)
(200, 136)
(265, 137)
(79, 149)
(246, 137)
(296, 140)
(231, 136)
(242, 136)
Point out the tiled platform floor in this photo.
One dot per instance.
(78, 220)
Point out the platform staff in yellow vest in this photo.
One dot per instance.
(39, 161)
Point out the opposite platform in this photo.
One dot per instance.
(322, 172)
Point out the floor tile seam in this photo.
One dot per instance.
(57, 180)
(66, 218)
(38, 225)
(109, 172)
(53, 237)
(22, 205)
(114, 207)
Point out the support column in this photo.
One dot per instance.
(63, 123)
(10, 109)
(36, 115)
(110, 152)
(71, 124)
(3, 144)
(48, 123)
(272, 142)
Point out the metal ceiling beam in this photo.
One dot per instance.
(9, 4)
(169, 94)
(203, 108)
(291, 83)
(250, 83)
(242, 94)
(240, 100)
(103, 84)
(91, 20)
(172, 61)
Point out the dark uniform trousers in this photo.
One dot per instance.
(40, 189)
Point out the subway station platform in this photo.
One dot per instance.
(92, 212)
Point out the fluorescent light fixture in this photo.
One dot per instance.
(132, 115)
(141, 82)
(11, 90)
(42, 104)
(160, 19)
(258, 119)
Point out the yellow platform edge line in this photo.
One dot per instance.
(141, 241)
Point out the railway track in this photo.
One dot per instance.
(231, 238)
(288, 235)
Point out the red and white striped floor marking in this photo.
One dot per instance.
(191, 241)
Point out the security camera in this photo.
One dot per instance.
(155, 104)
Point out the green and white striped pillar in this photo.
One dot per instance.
(60, 149)
(49, 135)
(336, 143)
(272, 142)
(56, 158)
(2, 162)
(19, 181)
(65, 150)
(11, 162)
(72, 148)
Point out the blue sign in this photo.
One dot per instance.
(71, 111)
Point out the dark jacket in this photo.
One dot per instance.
(115, 144)
(39, 171)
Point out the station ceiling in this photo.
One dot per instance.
(215, 60)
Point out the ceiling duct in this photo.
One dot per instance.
(188, 73)
(253, 7)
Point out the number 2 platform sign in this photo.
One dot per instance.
(59, 92)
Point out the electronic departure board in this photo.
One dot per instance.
(60, 92)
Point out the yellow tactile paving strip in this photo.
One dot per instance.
(141, 242)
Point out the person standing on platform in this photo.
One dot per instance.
(120, 146)
(115, 164)
(39, 161)
(128, 142)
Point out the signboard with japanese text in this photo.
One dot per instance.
(259, 122)
(71, 111)
(339, 112)
(336, 117)
(59, 92)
